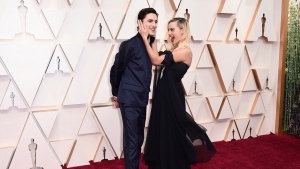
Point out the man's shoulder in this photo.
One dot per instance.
(132, 39)
(124, 44)
(132, 42)
(128, 41)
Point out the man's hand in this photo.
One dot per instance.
(116, 105)
(115, 100)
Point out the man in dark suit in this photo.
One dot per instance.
(130, 78)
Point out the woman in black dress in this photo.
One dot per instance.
(174, 139)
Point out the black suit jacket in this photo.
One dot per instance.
(130, 75)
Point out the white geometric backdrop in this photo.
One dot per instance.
(68, 111)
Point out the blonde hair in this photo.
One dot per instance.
(183, 24)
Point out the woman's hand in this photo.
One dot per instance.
(144, 33)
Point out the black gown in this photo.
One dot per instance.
(172, 132)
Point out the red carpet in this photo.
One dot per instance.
(265, 152)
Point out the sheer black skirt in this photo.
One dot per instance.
(174, 139)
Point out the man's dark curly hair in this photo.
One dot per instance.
(142, 14)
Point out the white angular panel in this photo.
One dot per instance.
(225, 110)
(12, 123)
(255, 124)
(235, 33)
(245, 105)
(255, 31)
(67, 122)
(258, 106)
(219, 130)
(98, 2)
(53, 4)
(234, 86)
(72, 52)
(204, 114)
(241, 73)
(175, 4)
(129, 26)
(52, 90)
(232, 132)
(262, 75)
(244, 16)
(211, 85)
(89, 124)
(2, 70)
(227, 58)
(35, 17)
(105, 116)
(265, 56)
(191, 83)
(6, 153)
(58, 62)
(103, 91)
(46, 120)
(266, 98)
(234, 102)
(109, 154)
(201, 16)
(4, 83)
(20, 160)
(250, 83)
(27, 63)
(205, 59)
(242, 126)
(87, 73)
(100, 27)
(113, 24)
(69, 2)
(217, 34)
(265, 127)
(194, 104)
(214, 104)
(78, 21)
(10, 20)
(197, 49)
(229, 6)
(196, 89)
(252, 50)
(2, 6)
(150, 2)
(55, 19)
(12, 98)
(85, 149)
(63, 149)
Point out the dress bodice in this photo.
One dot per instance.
(179, 69)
